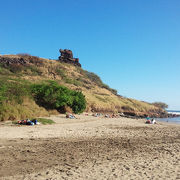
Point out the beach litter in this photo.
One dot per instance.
(29, 122)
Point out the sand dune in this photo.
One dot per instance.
(90, 148)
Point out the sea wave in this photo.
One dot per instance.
(174, 112)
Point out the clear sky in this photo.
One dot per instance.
(133, 45)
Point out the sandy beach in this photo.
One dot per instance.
(90, 148)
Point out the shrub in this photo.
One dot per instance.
(114, 91)
(72, 81)
(11, 90)
(53, 96)
(160, 105)
(94, 78)
(2, 92)
(33, 69)
(78, 103)
(45, 121)
(97, 80)
(60, 72)
(15, 68)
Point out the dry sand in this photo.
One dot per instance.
(90, 148)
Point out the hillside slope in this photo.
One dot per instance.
(99, 96)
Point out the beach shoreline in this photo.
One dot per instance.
(90, 148)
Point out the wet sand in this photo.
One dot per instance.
(90, 148)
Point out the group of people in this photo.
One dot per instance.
(150, 121)
(28, 122)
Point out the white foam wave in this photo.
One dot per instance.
(174, 112)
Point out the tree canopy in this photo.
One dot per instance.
(53, 96)
(160, 105)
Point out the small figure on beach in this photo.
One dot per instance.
(153, 121)
(150, 121)
(29, 122)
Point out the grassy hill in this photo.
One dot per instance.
(19, 71)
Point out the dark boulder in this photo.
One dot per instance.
(9, 61)
(67, 57)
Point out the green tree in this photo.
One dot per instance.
(53, 96)
(79, 102)
(160, 105)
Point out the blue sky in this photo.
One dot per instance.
(133, 45)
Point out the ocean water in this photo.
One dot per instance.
(171, 120)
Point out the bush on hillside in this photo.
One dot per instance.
(11, 90)
(59, 71)
(53, 96)
(96, 79)
(16, 99)
(160, 105)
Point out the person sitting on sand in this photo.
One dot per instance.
(148, 120)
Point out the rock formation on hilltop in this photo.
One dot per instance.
(67, 57)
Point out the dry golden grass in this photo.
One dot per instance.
(28, 109)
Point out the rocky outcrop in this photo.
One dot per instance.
(9, 61)
(67, 57)
(20, 60)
